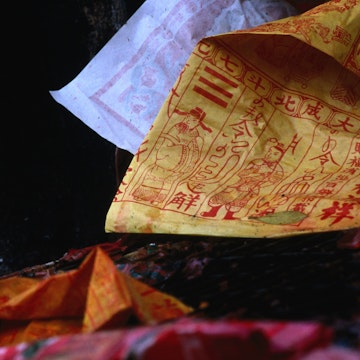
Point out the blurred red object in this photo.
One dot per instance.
(185, 339)
(351, 240)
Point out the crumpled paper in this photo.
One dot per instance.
(95, 296)
(119, 93)
(258, 137)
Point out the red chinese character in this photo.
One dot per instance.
(228, 62)
(341, 35)
(337, 212)
(357, 188)
(344, 124)
(182, 199)
(357, 147)
(256, 81)
(286, 101)
(355, 161)
(313, 110)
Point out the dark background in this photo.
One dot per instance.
(57, 175)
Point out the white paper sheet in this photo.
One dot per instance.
(119, 93)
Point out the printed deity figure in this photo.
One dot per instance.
(261, 172)
(177, 152)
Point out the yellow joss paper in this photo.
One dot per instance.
(259, 136)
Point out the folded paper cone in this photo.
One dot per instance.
(95, 296)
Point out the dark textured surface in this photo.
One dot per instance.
(57, 175)
(304, 278)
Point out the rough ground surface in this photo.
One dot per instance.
(57, 175)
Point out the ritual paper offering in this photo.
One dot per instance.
(259, 136)
(119, 93)
(95, 296)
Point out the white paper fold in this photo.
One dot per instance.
(119, 93)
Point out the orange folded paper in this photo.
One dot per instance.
(95, 296)
(259, 136)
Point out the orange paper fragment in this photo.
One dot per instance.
(95, 296)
